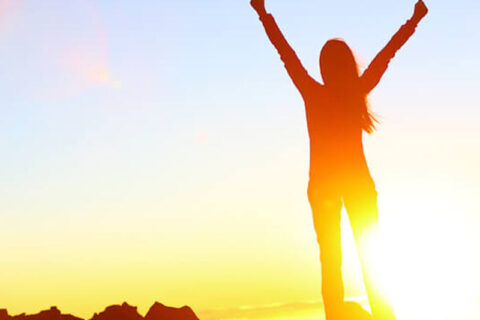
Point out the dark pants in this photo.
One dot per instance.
(360, 200)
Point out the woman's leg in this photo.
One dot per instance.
(361, 205)
(326, 211)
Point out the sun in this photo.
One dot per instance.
(425, 261)
(422, 256)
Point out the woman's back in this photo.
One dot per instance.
(335, 134)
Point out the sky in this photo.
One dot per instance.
(157, 151)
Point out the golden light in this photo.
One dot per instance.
(426, 265)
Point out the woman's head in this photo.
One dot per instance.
(337, 65)
(341, 75)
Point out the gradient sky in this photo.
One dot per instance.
(156, 150)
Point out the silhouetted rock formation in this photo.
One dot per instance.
(160, 312)
(52, 314)
(123, 312)
(4, 314)
(116, 312)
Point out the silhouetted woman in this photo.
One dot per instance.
(337, 114)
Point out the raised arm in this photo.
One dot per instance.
(294, 67)
(378, 66)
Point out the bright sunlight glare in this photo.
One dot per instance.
(425, 254)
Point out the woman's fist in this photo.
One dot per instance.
(258, 5)
(421, 9)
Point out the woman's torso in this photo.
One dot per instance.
(336, 148)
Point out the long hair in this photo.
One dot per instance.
(340, 74)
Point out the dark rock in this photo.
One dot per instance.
(4, 314)
(160, 312)
(116, 312)
(52, 314)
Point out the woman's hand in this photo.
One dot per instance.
(421, 10)
(258, 5)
